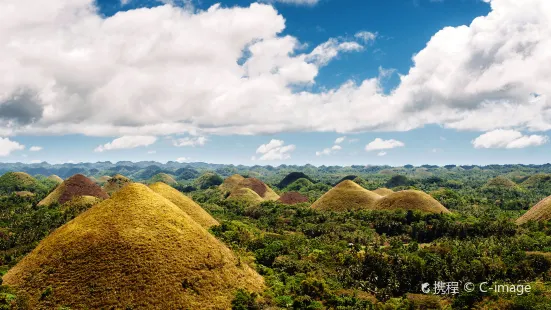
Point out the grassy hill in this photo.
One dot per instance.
(230, 183)
(136, 250)
(540, 212)
(163, 177)
(115, 183)
(383, 191)
(77, 185)
(259, 187)
(410, 200)
(346, 196)
(19, 181)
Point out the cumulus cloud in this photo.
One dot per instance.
(382, 153)
(340, 140)
(380, 144)
(296, 2)
(189, 71)
(329, 151)
(127, 142)
(366, 36)
(8, 146)
(508, 139)
(274, 150)
(35, 149)
(198, 141)
(183, 159)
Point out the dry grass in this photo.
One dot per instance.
(291, 198)
(77, 185)
(185, 203)
(245, 194)
(383, 191)
(540, 212)
(24, 194)
(346, 196)
(79, 204)
(103, 179)
(501, 182)
(410, 200)
(231, 183)
(115, 183)
(136, 250)
(55, 178)
(263, 190)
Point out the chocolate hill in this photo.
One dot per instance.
(136, 250)
(77, 185)
(291, 198)
(246, 195)
(540, 212)
(410, 200)
(185, 203)
(231, 183)
(346, 196)
(163, 177)
(383, 191)
(501, 182)
(17, 182)
(55, 178)
(259, 187)
(115, 183)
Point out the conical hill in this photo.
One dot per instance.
(410, 200)
(346, 196)
(540, 212)
(77, 185)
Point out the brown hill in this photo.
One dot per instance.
(346, 196)
(77, 185)
(410, 200)
(540, 212)
(136, 250)
(185, 203)
(383, 191)
(291, 198)
(115, 183)
(231, 183)
(259, 187)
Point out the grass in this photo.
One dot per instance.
(136, 250)
(185, 203)
(115, 183)
(501, 182)
(19, 181)
(246, 195)
(163, 177)
(537, 180)
(231, 183)
(77, 185)
(346, 196)
(55, 178)
(291, 198)
(410, 200)
(383, 191)
(540, 212)
(263, 190)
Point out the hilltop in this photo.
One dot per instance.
(246, 195)
(185, 203)
(292, 177)
(410, 200)
(136, 250)
(291, 198)
(259, 187)
(77, 185)
(55, 178)
(383, 191)
(115, 183)
(18, 182)
(163, 177)
(540, 212)
(230, 183)
(501, 182)
(346, 196)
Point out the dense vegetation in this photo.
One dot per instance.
(351, 260)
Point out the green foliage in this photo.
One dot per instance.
(245, 301)
(208, 180)
(398, 180)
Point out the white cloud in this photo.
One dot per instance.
(77, 72)
(198, 141)
(183, 159)
(380, 144)
(382, 153)
(329, 151)
(127, 142)
(508, 139)
(7, 146)
(152, 152)
(274, 150)
(366, 36)
(296, 2)
(340, 140)
(36, 148)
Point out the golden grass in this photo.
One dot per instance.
(79, 204)
(24, 194)
(55, 178)
(115, 183)
(346, 196)
(540, 212)
(185, 203)
(136, 250)
(383, 191)
(410, 200)
(263, 190)
(231, 183)
(77, 185)
(245, 194)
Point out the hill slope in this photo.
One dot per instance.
(383, 191)
(115, 183)
(292, 177)
(410, 200)
(18, 181)
(77, 185)
(163, 177)
(136, 250)
(540, 212)
(291, 198)
(185, 203)
(346, 196)
(230, 183)
(259, 187)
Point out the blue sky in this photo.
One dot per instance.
(465, 124)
